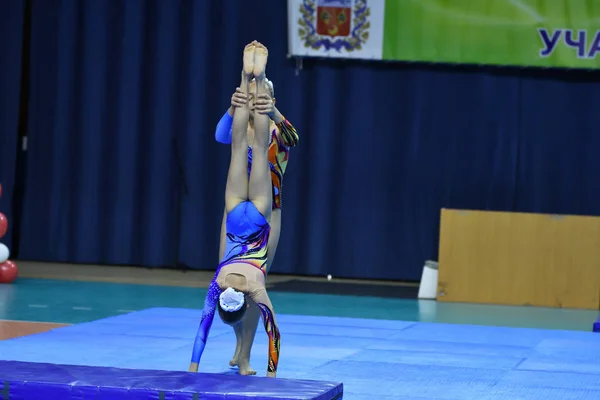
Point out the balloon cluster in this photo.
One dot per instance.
(8, 269)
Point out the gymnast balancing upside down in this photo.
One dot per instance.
(240, 277)
(283, 138)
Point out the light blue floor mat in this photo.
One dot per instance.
(375, 359)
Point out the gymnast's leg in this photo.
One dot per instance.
(260, 193)
(239, 182)
(260, 186)
(236, 190)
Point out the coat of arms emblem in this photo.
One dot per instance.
(334, 24)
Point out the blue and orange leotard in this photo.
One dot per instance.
(247, 237)
(283, 138)
(247, 243)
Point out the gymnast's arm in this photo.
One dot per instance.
(223, 131)
(285, 130)
(261, 298)
(208, 313)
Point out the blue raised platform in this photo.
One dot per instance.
(384, 360)
(50, 381)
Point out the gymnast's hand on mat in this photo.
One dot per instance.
(264, 104)
(239, 99)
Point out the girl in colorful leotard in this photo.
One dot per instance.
(240, 277)
(283, 138)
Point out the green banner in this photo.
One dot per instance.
(541, 33)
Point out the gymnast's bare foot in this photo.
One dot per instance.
(260, 60)
(193, 367)
(249, 58)
(244, 368)
(234, 361)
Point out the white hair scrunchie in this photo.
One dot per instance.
(231, 300)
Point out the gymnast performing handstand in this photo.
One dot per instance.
(240, 277)
(283, 137)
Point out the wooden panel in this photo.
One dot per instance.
(519, 259)
(15, 329)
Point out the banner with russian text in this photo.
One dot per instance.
(538, 33)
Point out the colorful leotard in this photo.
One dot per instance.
(279, 149)
(247, 238)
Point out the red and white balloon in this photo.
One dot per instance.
(8, 269)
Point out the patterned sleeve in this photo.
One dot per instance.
(288, 133)
(208, 313)
(273, 333)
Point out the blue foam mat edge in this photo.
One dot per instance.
(43, 380)
(596, 327)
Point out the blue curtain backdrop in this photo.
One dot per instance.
(12, 17)
(123, 167)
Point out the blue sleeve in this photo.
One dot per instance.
(223, 131)
(208, 313)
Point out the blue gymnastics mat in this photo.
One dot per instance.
(374, 359)
(51, 381)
